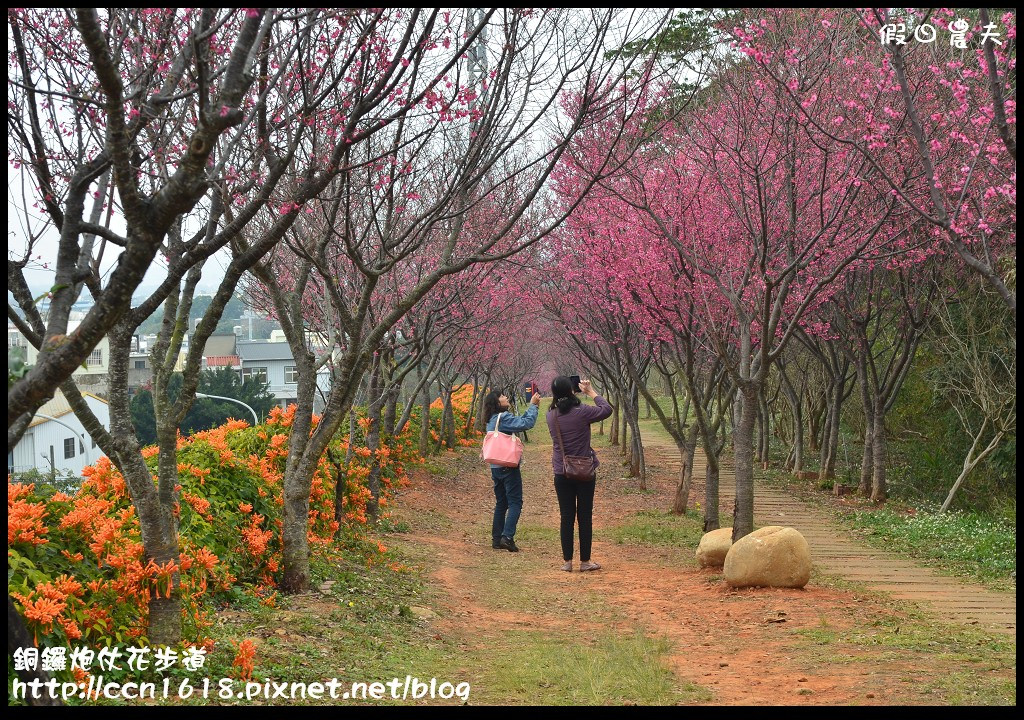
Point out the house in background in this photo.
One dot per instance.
(140, 367)
(56, 441)
(274, 363)
(221, 351)
(91, 376)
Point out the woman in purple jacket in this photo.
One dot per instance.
(575, 499)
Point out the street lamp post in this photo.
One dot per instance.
(255, 417)
(81, 436)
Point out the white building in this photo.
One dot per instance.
(273, 363)
(56, 440)
(96, 364)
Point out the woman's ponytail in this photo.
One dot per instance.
(562, 396)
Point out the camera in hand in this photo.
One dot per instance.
(575, 380)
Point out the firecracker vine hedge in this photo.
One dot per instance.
(76, 566)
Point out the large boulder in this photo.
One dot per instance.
(713, 547)
(773, 556)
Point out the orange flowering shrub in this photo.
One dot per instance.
(462, 399)
(88, 581)
(244, 660)
(76, 564)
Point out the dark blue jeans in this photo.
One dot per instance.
(508, 501)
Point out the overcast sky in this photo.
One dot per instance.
(20, 223)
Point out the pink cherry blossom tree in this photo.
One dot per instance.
(460, 182)
(755, 204)
(937, 123)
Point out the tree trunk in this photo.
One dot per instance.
(467, 428)
(878, 485)
(971, 461)
(795, 460)
(447, 418)
(425, 421)
(764, 415)
(614, 429)
(624, 433)
(351, 435)
(867, 461)
(823, 440)
(833, 441)
(814, 417)
(373, 444)
(165, 612)
(481, 421)
(687, 451)
(827, 458)
(305, 446)
(390, 412)
(153, 505)
(798, 439)
(743, 441)
(295, 531)
(340, 483)
(637, 464)
(682, 498)
(711, 500)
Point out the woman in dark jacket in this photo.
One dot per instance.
(575, 498)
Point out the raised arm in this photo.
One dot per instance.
(600, 410)
(512, 424)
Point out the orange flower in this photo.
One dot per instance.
(16, 491)
(245, 507)
(244, 659)
(70, 628)
(25, 522)
(43, 611)
(200, 505)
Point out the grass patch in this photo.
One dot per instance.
(355, 625)
(537, 669)
(538, 537)
(967, 665)
(965, 688)
(650, 527)
(965, 544)
(971, 545)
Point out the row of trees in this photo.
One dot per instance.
(487, 196)
(825, 202)
(353, 162)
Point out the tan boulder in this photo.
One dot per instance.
(773, 556)
(713, 547)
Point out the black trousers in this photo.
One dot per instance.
(575, 502)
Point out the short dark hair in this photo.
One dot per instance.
(562, 396)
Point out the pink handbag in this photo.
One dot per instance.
(501, 449)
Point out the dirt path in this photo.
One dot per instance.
(826, 644)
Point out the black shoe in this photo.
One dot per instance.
(496, 544)
(507, 543)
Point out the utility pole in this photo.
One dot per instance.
(476, 58)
